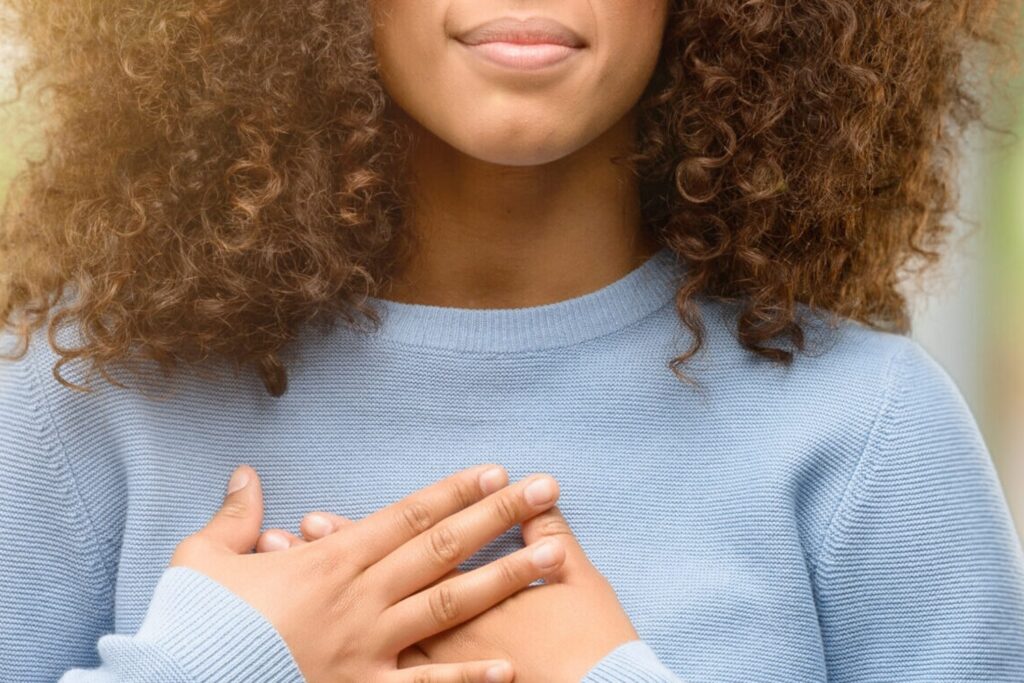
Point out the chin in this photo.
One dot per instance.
(502, 148)
(517, 156)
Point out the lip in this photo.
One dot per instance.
(531, 43)
(534, 30)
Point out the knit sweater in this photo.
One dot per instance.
(835, 519)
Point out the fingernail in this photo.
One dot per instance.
(319, 525)
(545, 555)
(540, 492)
(238, 480)
(492, 479)
(275, 542)
(497, 673)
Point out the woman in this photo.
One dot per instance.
(637, 257)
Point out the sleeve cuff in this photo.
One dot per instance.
(631, 662)
(212, 634)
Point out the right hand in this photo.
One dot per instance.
(347, 604)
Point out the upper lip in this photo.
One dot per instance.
(527, 31)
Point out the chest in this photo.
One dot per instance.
(704, 557)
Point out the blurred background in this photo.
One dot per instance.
(968, 312)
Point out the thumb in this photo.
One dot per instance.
(236, 525)
(551, 524)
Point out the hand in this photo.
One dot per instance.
(349, 603)
(551, 633)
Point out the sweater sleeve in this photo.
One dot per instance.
(56, 605)
(920, 574)
(195, 630)
(631, 662)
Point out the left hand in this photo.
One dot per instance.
(552, 633)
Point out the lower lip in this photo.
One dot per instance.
(523, 55)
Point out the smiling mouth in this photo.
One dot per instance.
(522, 44)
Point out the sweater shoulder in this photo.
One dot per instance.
(853, 390)
(83, 430)
(842, 360)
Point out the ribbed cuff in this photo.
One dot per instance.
(631, 662)
(213, 634)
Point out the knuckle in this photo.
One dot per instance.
(506, 509)
(234, 509)
(444, 609)
(465, 494)
(327, 561)
(554, 526)
(416, 516)
(334, 559)
(444, 545)
(511, 571)
(323, 564)
(423, 677)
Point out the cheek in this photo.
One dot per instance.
(622, 85)
(632, 41)
(409, 55)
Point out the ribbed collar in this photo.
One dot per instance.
(637, 294)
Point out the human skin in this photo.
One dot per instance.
(358, 597)
(551, 633)
(511, 171)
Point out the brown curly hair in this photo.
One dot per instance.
(219, 173)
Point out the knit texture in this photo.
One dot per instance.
(836, 519)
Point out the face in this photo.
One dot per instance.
(512, 93)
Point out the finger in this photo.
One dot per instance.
(277, 539)
(236, 525)
(551, 524)
(487, 671)
(452, 573)
(442, 547)
(318, 524)
(461, 598)
(378, 534)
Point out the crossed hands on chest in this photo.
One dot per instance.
(382, 599)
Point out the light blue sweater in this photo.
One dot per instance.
(839, 519)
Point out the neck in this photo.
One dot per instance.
(493, 236)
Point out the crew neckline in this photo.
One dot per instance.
(637, 294)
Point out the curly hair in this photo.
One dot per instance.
(219, 173)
